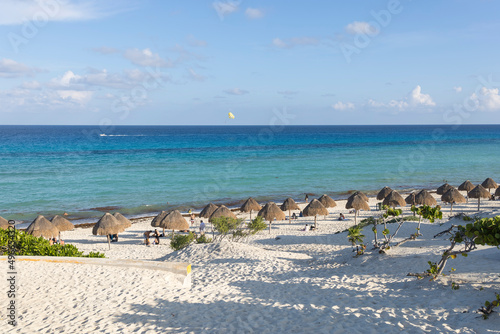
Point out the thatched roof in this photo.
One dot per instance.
(410, 199)
(107, 225)
(122, 220)
(270, 211)
(357, 203)
(62, 224)
(315, 208)
(250, 205)
(383, 193)
(489, 183)
(289, 204)
(479, 192)
(444, 188)
(497, 192)
(4, 223)
(425, 198)
(156, 220)
(174, 221)
(466, 186)
(222, 211)
(453, 196)
(361, 194)
(394, 199)
(327, 201)
(42, 227)
(208, 210)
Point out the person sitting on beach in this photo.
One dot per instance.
(294, 216)
(202, 228)
(312, 228)
(341, 217)
(306, 228)
(301, 214)
(114, 237)
(157, 237)
(51, 241)
(146, 237)
(111, 237)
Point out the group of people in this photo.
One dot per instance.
(156, 235)
(53, 241)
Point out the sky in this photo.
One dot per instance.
(191, 62)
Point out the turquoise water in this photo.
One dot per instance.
(141, 170)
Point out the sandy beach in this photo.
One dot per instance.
(286, 281)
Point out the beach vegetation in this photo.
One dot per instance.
(484, 231)
(20, 243)
(257, 225)
(488, 307)
(227, 227)
(356, 238)
(180, 241)
(203, 239)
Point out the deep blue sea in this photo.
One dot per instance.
(139, 170)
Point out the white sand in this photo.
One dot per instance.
(300, 282)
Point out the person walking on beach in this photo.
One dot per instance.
(192, 218)
(307, 198)
(202, 228)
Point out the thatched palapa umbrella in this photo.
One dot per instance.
(410, 199)
(444, 188)
(270, 211)
(479, 192)
(383, 193)
(453, 196)
(156, 220)
(107, 225)
(249, 206)
(361, 194)
(394, 199)
(289, 204)
(357, 203)
(42, 227)
(62, 224)
(174, 221)
(208, 210)
(327, 201)
(222, 211)
(315, 208)
(497, 192)
(4, 223)
(425, 198)
(122, 220)
(489, 184)
(466, 186)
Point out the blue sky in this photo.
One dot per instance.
(191, 62)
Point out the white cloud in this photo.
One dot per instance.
(12, 69)
(487, 99)
(75, 95)
(195, 76)
(417, 98)
(17, 12)
(33, 85)
(145, 58)
(226, 7)
(254, 13)
(343, 106)
(457, 89)
(236, 91)
(296, 41)
(357, 27)
(195, 42)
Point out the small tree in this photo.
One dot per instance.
(257, 225)
(226, 226)
(355, 237)
(180, 241)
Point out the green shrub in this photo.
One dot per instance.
(26, 244)
(227, 226)
(203, 239)
(180, 241)
(257, 225)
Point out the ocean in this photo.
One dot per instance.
(140, 170)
